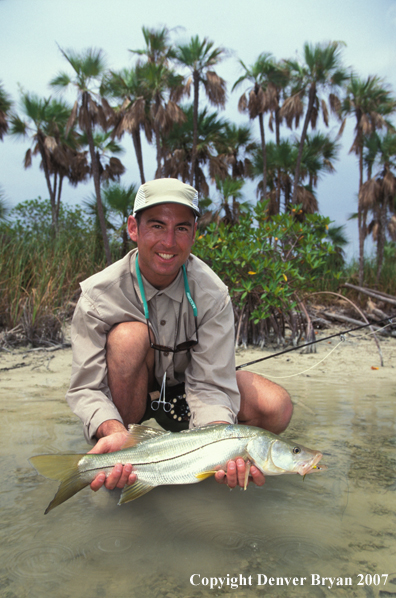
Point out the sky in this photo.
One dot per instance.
(32, 30)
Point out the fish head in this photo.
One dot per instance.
(275, 456)
(291, 457)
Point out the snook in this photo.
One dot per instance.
(162, 458)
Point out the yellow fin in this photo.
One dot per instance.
(138, 433)
(205, 474)
(63, 468)
(134, 491)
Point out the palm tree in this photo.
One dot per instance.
(158, 48)
(164, 88)
(281, 168)
(261, 98)
(178, 147)
(109, 166)
(370, 102)
(3, 206)
(321, 71)
(91, 110)
(319, 154)
(5, 107)
(266, 79)
(200, 57)
(235, 146)
(378, 195)
(281, 159)
(44, 119)
(231, 189)
(120, 201)
(132, 116)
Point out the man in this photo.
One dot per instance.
(154, 319)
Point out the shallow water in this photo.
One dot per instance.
(338, 524)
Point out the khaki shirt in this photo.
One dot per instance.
(208, 369)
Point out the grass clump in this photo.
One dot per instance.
(40, 270)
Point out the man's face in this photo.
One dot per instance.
(164, 238)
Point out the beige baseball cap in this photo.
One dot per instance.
(160, 191)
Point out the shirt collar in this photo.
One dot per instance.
(174, 291)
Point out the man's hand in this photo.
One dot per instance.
(236, 472)
(120, 475)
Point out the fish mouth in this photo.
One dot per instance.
(312, 466)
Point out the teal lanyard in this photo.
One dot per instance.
(143, 295)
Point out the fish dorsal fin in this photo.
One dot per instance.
(138, 433)
(135, 491)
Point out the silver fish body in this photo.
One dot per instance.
(164, 458)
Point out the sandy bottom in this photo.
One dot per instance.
(176, 541)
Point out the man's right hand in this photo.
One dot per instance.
(120, 475)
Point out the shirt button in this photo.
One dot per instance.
(163, 322)
(166, 354)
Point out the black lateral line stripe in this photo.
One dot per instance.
(169, 458)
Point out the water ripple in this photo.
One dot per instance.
(43, 561)
(114, 542)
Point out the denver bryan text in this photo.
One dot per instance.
(260, 579)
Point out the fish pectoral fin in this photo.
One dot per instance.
(63, 468)
(134, 491)
(138, 433)
(205, 474)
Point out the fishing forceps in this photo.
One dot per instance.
(166, 406)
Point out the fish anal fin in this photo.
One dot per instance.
(138, 433)
(205, 474)
(136, 490)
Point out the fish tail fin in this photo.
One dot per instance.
(64, 469)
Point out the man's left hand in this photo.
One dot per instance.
(235, 475)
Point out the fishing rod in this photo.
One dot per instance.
(389, 320)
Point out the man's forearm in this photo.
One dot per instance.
(111, 426)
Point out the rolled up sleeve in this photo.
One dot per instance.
(212, 391)
(89, 396)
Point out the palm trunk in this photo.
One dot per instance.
(139, 154)
(381, 238)
(58, 199)
(361, 230)
(51, 190)
(312, 94)
(158, 172)
(264, 151)
(277, 139)
(96, 178)
(195, 126)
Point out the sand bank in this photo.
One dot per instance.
(356, 357)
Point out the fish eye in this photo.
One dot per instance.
(296, 450)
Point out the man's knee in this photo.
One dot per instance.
(128, 344)
(127, 334)
(264, 403)
(276, 406)
(284, 408)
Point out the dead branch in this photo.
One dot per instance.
(375, 294)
